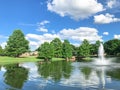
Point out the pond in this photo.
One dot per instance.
(60, 75)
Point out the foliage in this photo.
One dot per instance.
(67, 49)
(1, 51)
(46, 51)
(57, 44)
(112, 47)
(84, 49)
(74, 50)
(17, 44)
(94, 48)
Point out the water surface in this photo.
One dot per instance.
(60, 75)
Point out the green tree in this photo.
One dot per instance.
(94, 48)
(46, 51)
(84, 49)
(1, 51)
(112, 47)
(67, 49)
(57, 47)
(17, 44)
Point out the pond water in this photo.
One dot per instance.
(60, 75)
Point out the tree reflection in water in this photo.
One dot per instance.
(15, 76)
(86, 71)
(114, 73)
(55, 70)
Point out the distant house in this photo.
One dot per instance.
(27, 54)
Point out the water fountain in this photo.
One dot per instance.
(101, 59)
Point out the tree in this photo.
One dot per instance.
(94, 48)
(46, 51)
(57, 47)
(112, 47)
(84, 49)
(17, 44)
(1, 51)
(67, 49)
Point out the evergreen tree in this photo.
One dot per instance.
(57, 47)
(17, 44)
(46, 51)
(67, 49)
(84, 49)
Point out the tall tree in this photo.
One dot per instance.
(57, 47)
(84, 49)
(46, 51)
(67, 49)
(17, 44)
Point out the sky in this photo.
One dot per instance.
(74, 20)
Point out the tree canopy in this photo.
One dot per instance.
(112, 47)
(57, 44)
(67, 49)
(17, 44)
(46, 51)
(84, 49)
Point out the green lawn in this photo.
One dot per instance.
(8, 60)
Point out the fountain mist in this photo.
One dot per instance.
(101, 53)
(101, 60)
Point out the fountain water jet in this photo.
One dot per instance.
(101, 60)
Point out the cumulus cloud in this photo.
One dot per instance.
(105, 33)
(117, 36)
(81, 33)
(105, 19)
(77, 35)
(36, 40)
(76, 9)
(41, 26)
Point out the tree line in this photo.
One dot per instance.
(17, 45)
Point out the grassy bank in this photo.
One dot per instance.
(9, 60)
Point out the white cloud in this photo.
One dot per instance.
(44, 22)
(76, 9)
(117, 36)
(105, 33)
(42, 29)
(105, 19)
(41, 26)
(77, 35)
(113, 3)
(81, 33)
(36, 40)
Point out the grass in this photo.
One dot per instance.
(10, 60)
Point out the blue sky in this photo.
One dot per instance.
(75, 20)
